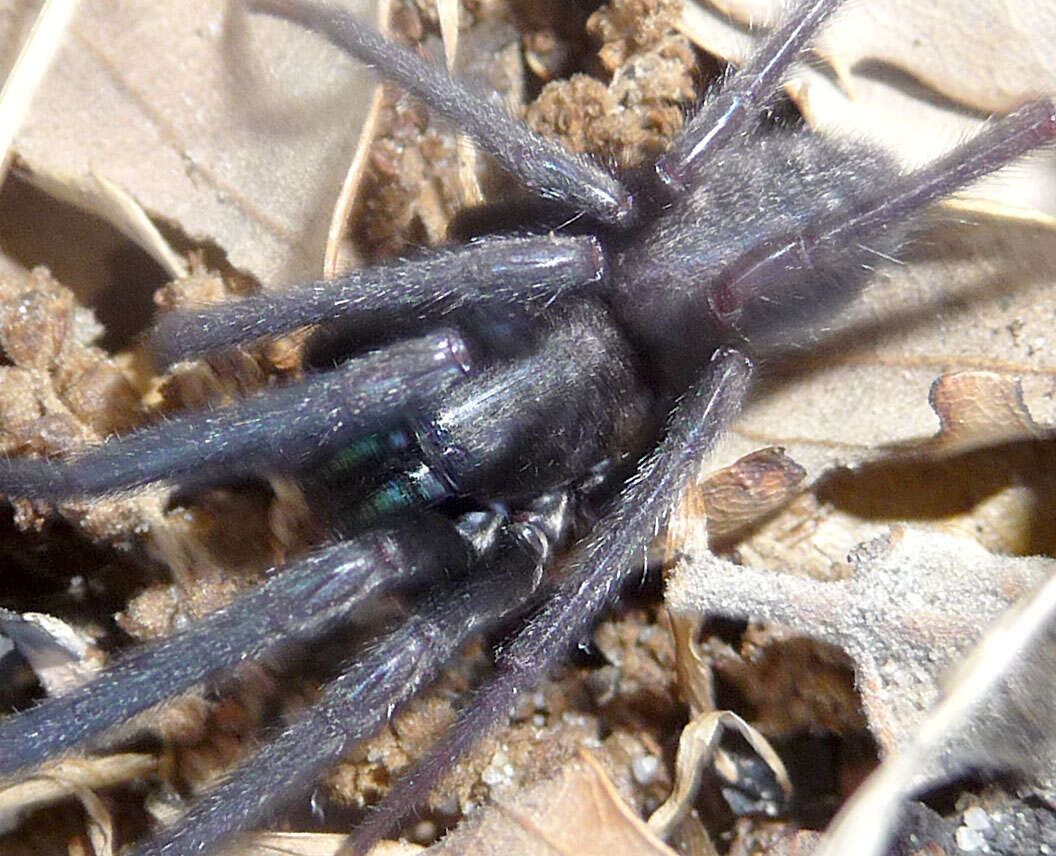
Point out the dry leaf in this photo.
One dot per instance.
(988, 473)
(997, 714)
(859, 414)
(577, 813)
(973, 296)
(736, 497)
(916, 603)
(936, 43)
(73, 778)
(20, 84)
(696, 747)
(911, 75)
(61, 655)
(238, 133)
(977, 409)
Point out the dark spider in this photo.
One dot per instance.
(523, 371)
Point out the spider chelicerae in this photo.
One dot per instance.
(512, 382)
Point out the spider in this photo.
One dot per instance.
(523, 372)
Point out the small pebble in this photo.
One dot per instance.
(423, 832)
(644, 769)
(976, 818)
(969, 839)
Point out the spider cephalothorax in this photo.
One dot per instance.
(519, 372)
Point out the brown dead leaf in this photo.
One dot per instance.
(577, 813)
(73, 777)
(975, 296)
(697, 746)
(917, 602)
(62, 656)
(997, 714)
(735, 497)
(913, 75)
(940, 44)
(978, 409)
(238, 133)
(972, 305)
(987, 473)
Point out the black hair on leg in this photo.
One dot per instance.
(821, 241)
(299, 602)
(737, 106)
(364, 697)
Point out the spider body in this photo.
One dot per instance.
(729, 232)
(544, 363)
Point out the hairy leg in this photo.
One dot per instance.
(821, 242)
(302, 601)
(364, 697)
(737, 106)
(534, 270)
(275, 432)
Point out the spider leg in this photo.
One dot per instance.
(274, 432)
(1004, 140)
(737, 106)
(595, 574)
(543, 165)
(822, 241)
(302, 601)
(365, 695)
(536, 269)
